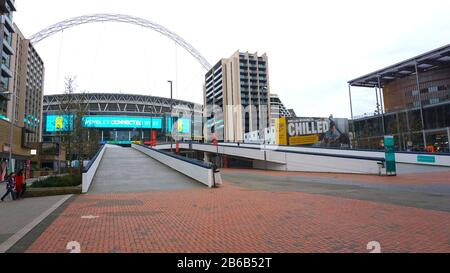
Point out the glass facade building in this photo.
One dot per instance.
(413, 104)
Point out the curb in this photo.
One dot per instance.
(21, 233)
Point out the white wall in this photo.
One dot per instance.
(194, 171)
(88, 176)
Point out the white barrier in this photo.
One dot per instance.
(201, 172)
(88, 175)
(431, 159)
(299, 160)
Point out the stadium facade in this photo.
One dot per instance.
(123, 118)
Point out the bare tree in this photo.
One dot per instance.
(80, 142)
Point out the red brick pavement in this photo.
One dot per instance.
(234, 219)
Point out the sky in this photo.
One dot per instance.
(314, 47)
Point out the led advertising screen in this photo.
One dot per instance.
(64, 123)
(122, 122)
(59, 123)
(183, 125)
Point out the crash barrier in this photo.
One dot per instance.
(204, 172)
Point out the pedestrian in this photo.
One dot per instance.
(24, 187)
(10, 186)
(20, 180)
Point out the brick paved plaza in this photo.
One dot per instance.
(258, 217)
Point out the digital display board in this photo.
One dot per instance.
(182, 124)
(64, 123)
(122, 122)
(59, 123)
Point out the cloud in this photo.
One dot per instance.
(314, 47)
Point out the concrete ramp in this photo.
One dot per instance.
(127, 170)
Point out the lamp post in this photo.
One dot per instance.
(11, 128)
(171, 121)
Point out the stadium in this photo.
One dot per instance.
(123, 118)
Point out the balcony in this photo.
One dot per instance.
(11, 4)
(8, 24)
(7, 48)
(6, 72)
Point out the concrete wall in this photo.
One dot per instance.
(88, 176)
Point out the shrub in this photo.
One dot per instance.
(59, 181)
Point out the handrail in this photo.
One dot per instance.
(88, 166)
(307, 153)
(206, 165)
(335, 155)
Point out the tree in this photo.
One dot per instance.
(81, 143)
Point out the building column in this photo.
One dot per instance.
(207, 157)
(400, 137)
(381, 104)
(448, 137)
(351, 114)
(420, 105)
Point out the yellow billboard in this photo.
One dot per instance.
(281, 129)
(303, 140)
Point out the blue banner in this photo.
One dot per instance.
(64, 123)
(122, 122)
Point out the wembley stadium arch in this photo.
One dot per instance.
(123, 118)
(120, 18)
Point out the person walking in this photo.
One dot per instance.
(24, 186)
(20, 179)
(10, 185)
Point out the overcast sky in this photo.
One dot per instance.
(314, 47)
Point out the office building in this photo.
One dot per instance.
(31, 83)
(236, 97)
(416, 98)
(6, 31)
(21, 122)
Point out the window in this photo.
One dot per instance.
(433, 89)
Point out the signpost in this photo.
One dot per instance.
(390, 155)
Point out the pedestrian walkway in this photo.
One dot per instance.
(237, 219)
(128, 170)
(17, 215)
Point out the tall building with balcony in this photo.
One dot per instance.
(7, 29)
(28, 87)
(236, 96)
(21, 123)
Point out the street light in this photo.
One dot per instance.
(171, 120)
(11, 127)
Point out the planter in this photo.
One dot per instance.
(39, 192)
